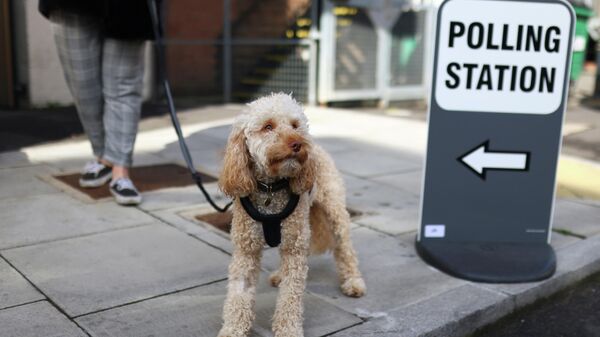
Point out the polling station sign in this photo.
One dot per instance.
(499, 88)
(504, 58)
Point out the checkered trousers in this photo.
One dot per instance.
(105, 77)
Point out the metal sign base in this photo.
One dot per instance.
(492, 262)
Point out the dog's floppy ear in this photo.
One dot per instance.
(306, 178)
(236, 178)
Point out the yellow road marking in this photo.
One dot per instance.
(578, 179)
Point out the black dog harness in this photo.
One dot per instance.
(271, 223)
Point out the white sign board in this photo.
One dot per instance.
(499, 94)
(503, 59)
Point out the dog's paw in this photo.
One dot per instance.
(354, 287)
(275, 279)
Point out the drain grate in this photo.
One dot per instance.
(146, 178)
(222, 221)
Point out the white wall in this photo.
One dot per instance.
(38, 66)
(46, 81)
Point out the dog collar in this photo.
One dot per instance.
(273, 187)
(271, 223)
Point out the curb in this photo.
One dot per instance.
(464, 310)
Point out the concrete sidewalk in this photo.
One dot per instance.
(73, 267)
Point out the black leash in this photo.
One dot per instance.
(160, 55)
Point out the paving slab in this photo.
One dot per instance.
(320, 317)
(35, 320)
(394, 274)
(61, 154)
(76, 163)
(145, 158)
(24, 181)
(13, 159)
(559, 241)
(406, 181)
(456, 312)
(175, 197)
(355, 184)
(100, 271)
(370, 196)
(14, 289)
(577, 217)
(213, 139)
(391, 221)
(409, 136)
(182, 218)
(383, 208)
(369, 160)
(197, 312)
(43, 218)
(334, 144)
(216, 135)
(590, 202)
(208, 160)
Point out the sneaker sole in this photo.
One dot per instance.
(121, 200)
(96, 182)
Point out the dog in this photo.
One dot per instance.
(270, 143)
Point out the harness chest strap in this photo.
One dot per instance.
(271, 223)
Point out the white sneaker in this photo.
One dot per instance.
(124, 192)
(95, 174)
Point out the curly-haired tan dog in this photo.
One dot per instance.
(270, 141)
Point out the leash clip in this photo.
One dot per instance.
(269, 195)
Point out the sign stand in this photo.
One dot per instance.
(491, 262)
(499, 89)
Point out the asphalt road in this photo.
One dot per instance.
(574, 312)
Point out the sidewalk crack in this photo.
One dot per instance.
(56, 306)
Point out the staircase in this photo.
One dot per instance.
(258, 69)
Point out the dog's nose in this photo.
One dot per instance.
(296, 146)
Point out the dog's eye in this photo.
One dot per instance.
(268, 127)
(295, 124)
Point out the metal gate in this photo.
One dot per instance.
(377, 49)
(321, 50)
(236, 50)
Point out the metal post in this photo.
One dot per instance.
(314, 37)
(326, 52)
(226, 51)
(597, 83)
(429, 36)
(384, 64)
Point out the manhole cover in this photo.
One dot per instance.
(222, 221)
(146, 178)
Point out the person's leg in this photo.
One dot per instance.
(79, 43)
(122, 74)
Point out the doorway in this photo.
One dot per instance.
(7, 98)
